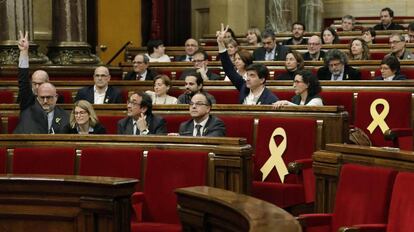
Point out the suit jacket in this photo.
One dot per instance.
(186, 98)
(133, 75)
(181, 58)
(280, 53)
(290, 41)
(392, 26)
(214, 127)
(97, 129)
(349, 73)
(397, 77)
(156, 125)
(287, 76)
(307, 55)
(113, 95)
(211, 75)
(33, 120)
(407, 55)
(267, 96)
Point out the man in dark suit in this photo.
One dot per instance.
(202, 123)
(314, 49)
(191, 46)
(387, 16)
(200, 60)
(298, 30)
(270, 50)
(38, 111)
(101, 92)
(141, 71)
(140, 120)
(336, 68)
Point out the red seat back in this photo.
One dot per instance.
(345, 99)
(110, 123)
(3, 160)
(363, 195)
(166, 171)
(284, 95)
(6, 97)
(239, 126)
(399, 115)
(174, 121)
(225, 96)
(44, 160)
(67, 96)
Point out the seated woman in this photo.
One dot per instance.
(294, 62)
(358, 49)
(307, 89)
(159, 96)
(232, 46)
(242, 59)
(254, 37)
(83, 120)
(368, 35)
(329, 36)
(390, 69)
(156, 51)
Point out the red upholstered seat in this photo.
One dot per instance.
(363, 196)
(239, 126)
(408, 72)
(345, 99)
(166, 171)
(6, 97)
(44, 160)
(67, 96)
(398, 117)
(378, 55)
(284, 95)
(300, 145)
(174, 121)
(225, 96)
(110, 123)
(3, 160)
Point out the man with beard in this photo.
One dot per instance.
(314, 49)
(387, 15)
(270, 50)
(140, 120)
(202, 123)
(193, 84)
(336, 68)
(298, 30)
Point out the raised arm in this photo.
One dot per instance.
(25, 97)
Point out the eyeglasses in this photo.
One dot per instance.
(197, 104)
(135, 104)
(137, 62)
(198, 61)
(335, 64)
(47, 98)
(314, 44)
(100, 75)
(80, 113)
(395, 42)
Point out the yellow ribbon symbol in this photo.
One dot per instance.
(275, 159)
(379, 119)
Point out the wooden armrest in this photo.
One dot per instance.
(137, 200)
(317, 219)
(365, 228)
(297, 166)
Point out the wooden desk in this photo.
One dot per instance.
(210, 209)
(65, 203)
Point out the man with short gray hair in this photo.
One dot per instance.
(336, 68)
(398, 49)
(141, 71)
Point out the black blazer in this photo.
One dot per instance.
(267, 96)
(349, 73)
(280, 53)
(286, 76)
(307, 56)
(398, 77)
(156, 125)
(392, 26)
(112, 96)
(290, 41)
(133, 75)
(97, 129)
(181, 58)
(211, 75)
(214, 127)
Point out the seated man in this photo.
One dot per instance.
(140, 120)
(191, 46)
(411, 32)
(270, 50)
(387, 15)
(314, 49)
(202, 123)
(348, 22)
(398, 49)
(38, 111)
(298, 30)
(193, 84)
(141, 71)
(100, 93)
(336, 68)
(200, 60)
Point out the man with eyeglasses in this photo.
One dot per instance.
(38, 111)
(101, 92)
(270, 50)
(336, 68)
(200, 60)
(398, 49)
(190, 47)
(202, 123)
(314, 49)
(141, 71)
(141, 120)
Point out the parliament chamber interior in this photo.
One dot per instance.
(197, 115)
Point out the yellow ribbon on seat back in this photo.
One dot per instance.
(275, 159)
(379, 119)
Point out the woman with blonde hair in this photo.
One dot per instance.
(159, 96)
(83, 120)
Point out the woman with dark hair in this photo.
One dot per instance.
(293, 63)
(242, 59)
(83, 120)
(156, 51)
(390, 69)
(368, 35)
(329, 36)
(230, 35)
(307, 89)
(358, 49)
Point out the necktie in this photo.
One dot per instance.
(336, 77)
(135, 129)
(190, 58)
(139, 76)
(198, 127)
